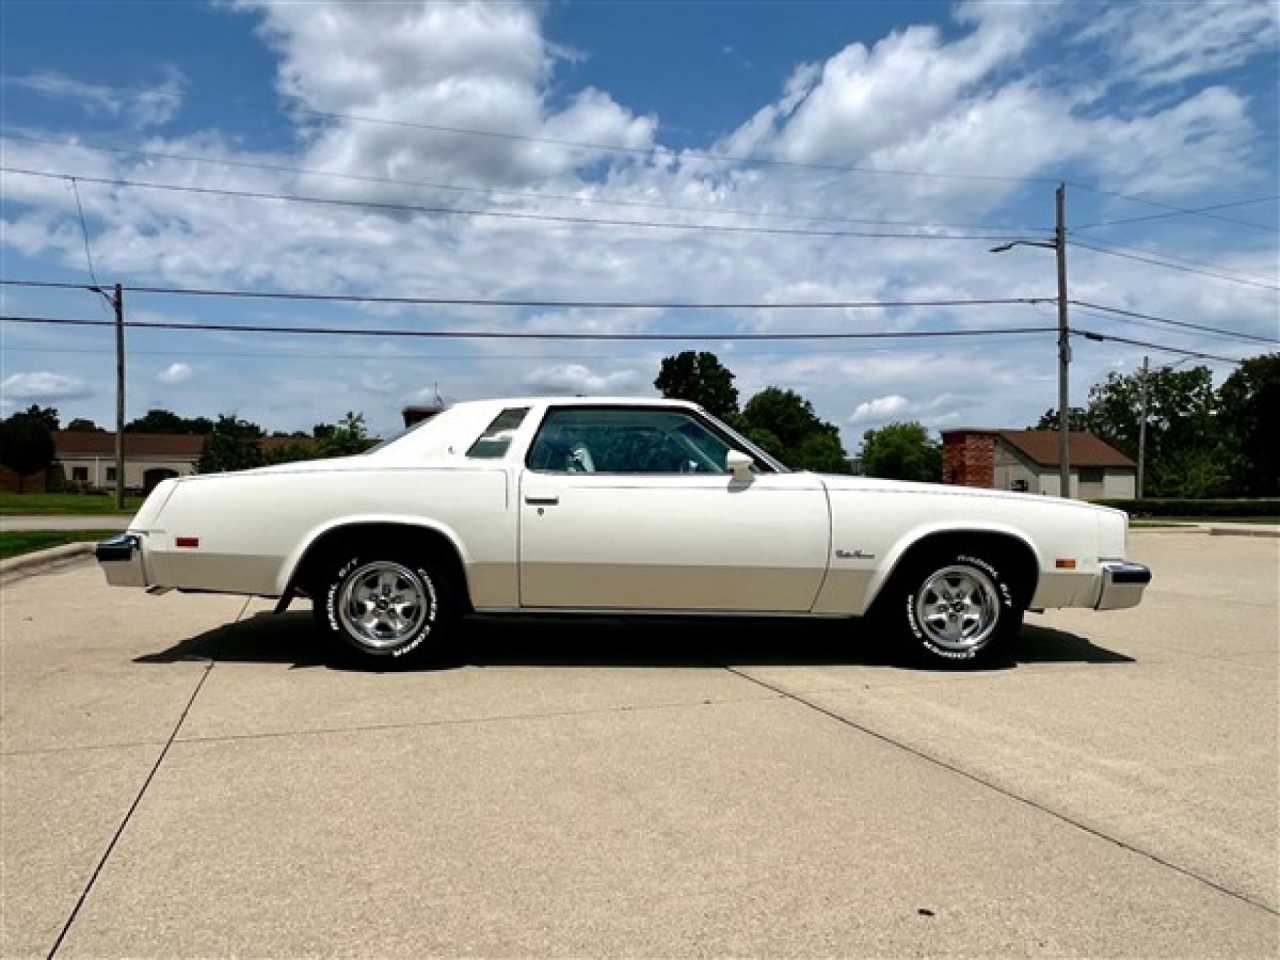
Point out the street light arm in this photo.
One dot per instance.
(1047, 244)
(1059, 245)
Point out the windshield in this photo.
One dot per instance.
(746, 446)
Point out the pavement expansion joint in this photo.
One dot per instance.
(137, 801)
(476, 721)
(1005, 792)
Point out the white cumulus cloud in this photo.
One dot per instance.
(176, 373)
(44, 386)
(879, 409)
(577, 378)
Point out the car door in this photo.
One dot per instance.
(634, 508)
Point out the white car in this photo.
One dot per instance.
(627, 506)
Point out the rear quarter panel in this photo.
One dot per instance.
(252, 529)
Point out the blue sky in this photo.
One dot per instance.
(772, 156)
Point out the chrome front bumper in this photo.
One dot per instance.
(121, 560)
(1122, 585)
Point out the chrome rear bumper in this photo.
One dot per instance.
(121, 560)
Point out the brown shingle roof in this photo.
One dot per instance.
(71, 444)
(1085, 449)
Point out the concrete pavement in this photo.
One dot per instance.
(183, 777)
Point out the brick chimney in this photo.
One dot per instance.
(969, 457)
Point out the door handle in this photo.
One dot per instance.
(542, 501)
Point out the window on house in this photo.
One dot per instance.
(1091, 474)
(111, 474)
(80, 474)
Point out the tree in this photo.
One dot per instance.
(1183, 449)
(1077, 419)
(901, 451)
(166, 421)
(701, 378)
(46, 415)
(301, 448)
(1249, 410)
(804, 441)
(232, 444)
(81, 425)
(346, 439)
(26, 443)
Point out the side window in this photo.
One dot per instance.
(496, 439)
(626, 440)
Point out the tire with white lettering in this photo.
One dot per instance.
(956, 608)
(382, 609)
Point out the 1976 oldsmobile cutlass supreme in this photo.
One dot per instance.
(628, 506)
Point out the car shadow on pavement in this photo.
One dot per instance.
(619, 642)
(262, 638)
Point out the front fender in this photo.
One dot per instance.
(938, 533)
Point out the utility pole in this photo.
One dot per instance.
(1142, 424)
(1059, 245)
(1064, 345)
(117, 302)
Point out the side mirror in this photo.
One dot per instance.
(739, 464)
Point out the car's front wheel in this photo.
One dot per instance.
(956, 608)
(382, 609)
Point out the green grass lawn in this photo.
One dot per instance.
(44, 504)
(14, 543)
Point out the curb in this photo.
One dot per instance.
(1213, 530)
(1226, 531)
(30, 562)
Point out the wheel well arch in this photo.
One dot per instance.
(1020, 563)
(430, 543)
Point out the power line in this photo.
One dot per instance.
(499, 214)
(662, 151)
(524, 335)
(1176, 212)
(547, 304)
(1107, 245)
(521, 194)
(1173, 266)
(525, 358)
(1116, 311)
(1090, 335)
(1149, 325)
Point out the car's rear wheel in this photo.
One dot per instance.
(956, 608)
(382, 609)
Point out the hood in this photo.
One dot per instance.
(875, 485)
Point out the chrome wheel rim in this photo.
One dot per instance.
(383, 605)
(957, 608)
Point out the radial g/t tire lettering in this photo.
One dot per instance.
(956, 608)
(382, 609)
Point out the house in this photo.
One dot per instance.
(1027, 460)
(88, 459)
(416, 413)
